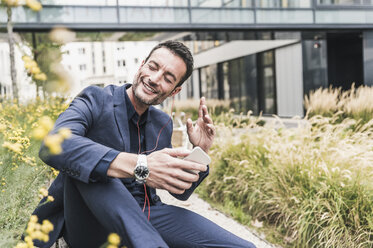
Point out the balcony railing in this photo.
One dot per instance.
(195, 14)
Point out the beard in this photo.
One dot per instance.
(155, 100)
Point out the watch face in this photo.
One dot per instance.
(141, 172)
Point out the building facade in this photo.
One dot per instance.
(103, 63)
(26, 89)
(261, 55)
(270, 72)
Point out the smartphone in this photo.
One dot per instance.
(199, 156)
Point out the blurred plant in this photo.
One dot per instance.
(310, 185)
(37, 231)
(46, 49)
(9, 4)
(23, 177)
(113, 241)
(190, 107)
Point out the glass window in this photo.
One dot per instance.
(21, 14)
(241, 16)
(154, 15)
(209, 82)
(314, 64)
(3, 15)
(81, 2)
(234, 78)
(72, 14)
(344, 16)
(284, 16)
(166, 3)
(345, 2)
(240, 83)
(189, 87)
(266, 82)
(283, 3)
(222, 3)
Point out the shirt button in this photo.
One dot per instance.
(156, 198)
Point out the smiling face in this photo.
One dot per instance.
(157, 78)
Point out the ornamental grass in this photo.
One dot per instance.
(309, 186)
(356, 103)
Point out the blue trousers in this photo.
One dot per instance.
(92, 211)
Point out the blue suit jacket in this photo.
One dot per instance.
(98, 120)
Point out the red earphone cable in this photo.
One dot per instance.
(155, 147)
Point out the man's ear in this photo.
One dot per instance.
(175, 91)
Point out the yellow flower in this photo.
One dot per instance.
(55, 172)
(46, 122)
(53, 142)
(40, 76)
(50, 198)
(30, 228)
(28, 64)
(111, 246)
(34, 5)
(2, 127)
(65, 132)
(114, 239)
(35, 70)
(47, 226)
(26, 58)
(43, 191)
(15, 147)
(39, 133)
(21, 245)
(12, 2)
(28, 239)
(37, 235)
(45, 238)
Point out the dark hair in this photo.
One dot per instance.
(180, 50)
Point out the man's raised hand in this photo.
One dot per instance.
(203, 132)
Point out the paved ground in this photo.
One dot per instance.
(197, 205)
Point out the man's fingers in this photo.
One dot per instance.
(207, 119)
(202, 102)
(211, 129)
(174, 190)
(189, 165)
(189, 125)
(177, 152)
(205, 110)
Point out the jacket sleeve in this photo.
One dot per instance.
(185, 196)
(80, 155)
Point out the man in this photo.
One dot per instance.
(119, 153)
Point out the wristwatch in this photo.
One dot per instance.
(141, 170)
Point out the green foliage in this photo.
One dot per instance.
(311, 186)
(21, 174)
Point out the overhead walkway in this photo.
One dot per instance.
(119, 15)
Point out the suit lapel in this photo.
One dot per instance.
(120, 113)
